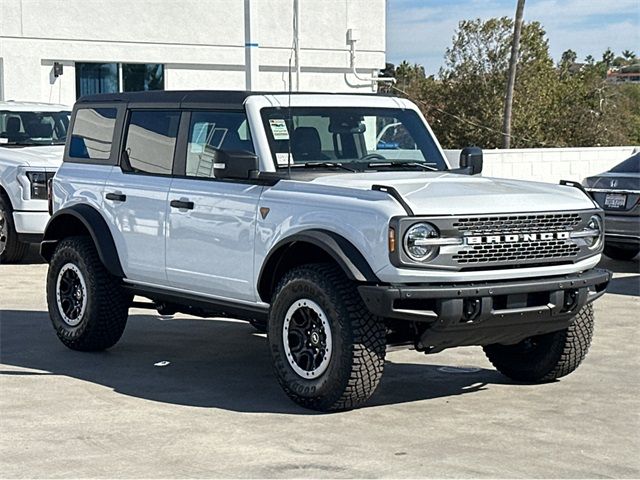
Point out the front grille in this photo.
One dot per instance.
(551, 222)
(521, 251)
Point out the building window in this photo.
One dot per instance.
(139, 77)
(92, 78)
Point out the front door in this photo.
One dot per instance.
(211, 222)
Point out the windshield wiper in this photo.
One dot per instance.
(424, 166)
(328, 165)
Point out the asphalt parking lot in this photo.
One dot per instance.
(216, 409)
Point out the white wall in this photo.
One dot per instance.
(549, 164)
(201, 42)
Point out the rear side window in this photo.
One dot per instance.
(92, 134)
(151, 142)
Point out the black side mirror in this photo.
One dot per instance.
(471, 160)
(239, 165)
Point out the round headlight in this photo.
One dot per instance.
(595, 223)
(416, 244)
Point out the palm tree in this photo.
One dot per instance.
(607, 57)
(628, 54)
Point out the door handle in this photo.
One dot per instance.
(182, 204)
(116, 197)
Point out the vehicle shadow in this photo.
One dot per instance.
(218, 364)
(626, 284)
(620, 266)
(629, 285)
(33, 256)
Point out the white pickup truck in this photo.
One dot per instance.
(334, 222)
(32, 137)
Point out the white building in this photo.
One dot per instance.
(125, 45)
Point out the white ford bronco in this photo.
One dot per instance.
(333, 222)
(32, 137)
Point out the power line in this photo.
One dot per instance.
(471, 122)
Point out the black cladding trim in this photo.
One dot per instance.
(578, 185)
(396, 195)
(93, 223)
(345, 254)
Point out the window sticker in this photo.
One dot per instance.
(283, 159)
(4, 140)
(279, 129)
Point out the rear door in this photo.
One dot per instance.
(135, 196)
(212, 222)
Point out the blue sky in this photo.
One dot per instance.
(419, 31)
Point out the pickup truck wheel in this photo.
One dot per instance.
(621, 253)
(327, 348)
(544, 358)
(11, 249)
(87, 305)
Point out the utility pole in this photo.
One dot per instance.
(511, 81)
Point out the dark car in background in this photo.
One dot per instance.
(618, 193)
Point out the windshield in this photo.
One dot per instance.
(630, 165)
(33, 128)
(358, 138)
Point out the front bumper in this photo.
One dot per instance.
(486, 312)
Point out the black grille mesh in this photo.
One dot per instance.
(553, 222)
(521, 251)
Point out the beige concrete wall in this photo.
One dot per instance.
(549, 164)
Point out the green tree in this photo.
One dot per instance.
(473, 84)
(553, 106)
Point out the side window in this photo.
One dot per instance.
(92, 134)
(210, 132)
(151, 141)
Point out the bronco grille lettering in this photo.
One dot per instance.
(516, 237)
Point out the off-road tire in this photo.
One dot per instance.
(105, 316)
(358, 338)
(621, 253)
(544, 358)
(14, 250)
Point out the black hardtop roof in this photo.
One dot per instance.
(231, 97)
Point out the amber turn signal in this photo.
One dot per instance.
(392, 240)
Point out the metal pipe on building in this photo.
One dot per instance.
(251, 45)
(296, 40)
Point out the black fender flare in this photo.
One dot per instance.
(94, 223)
(341, 250)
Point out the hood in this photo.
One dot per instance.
(49, 156)
(442, 193)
